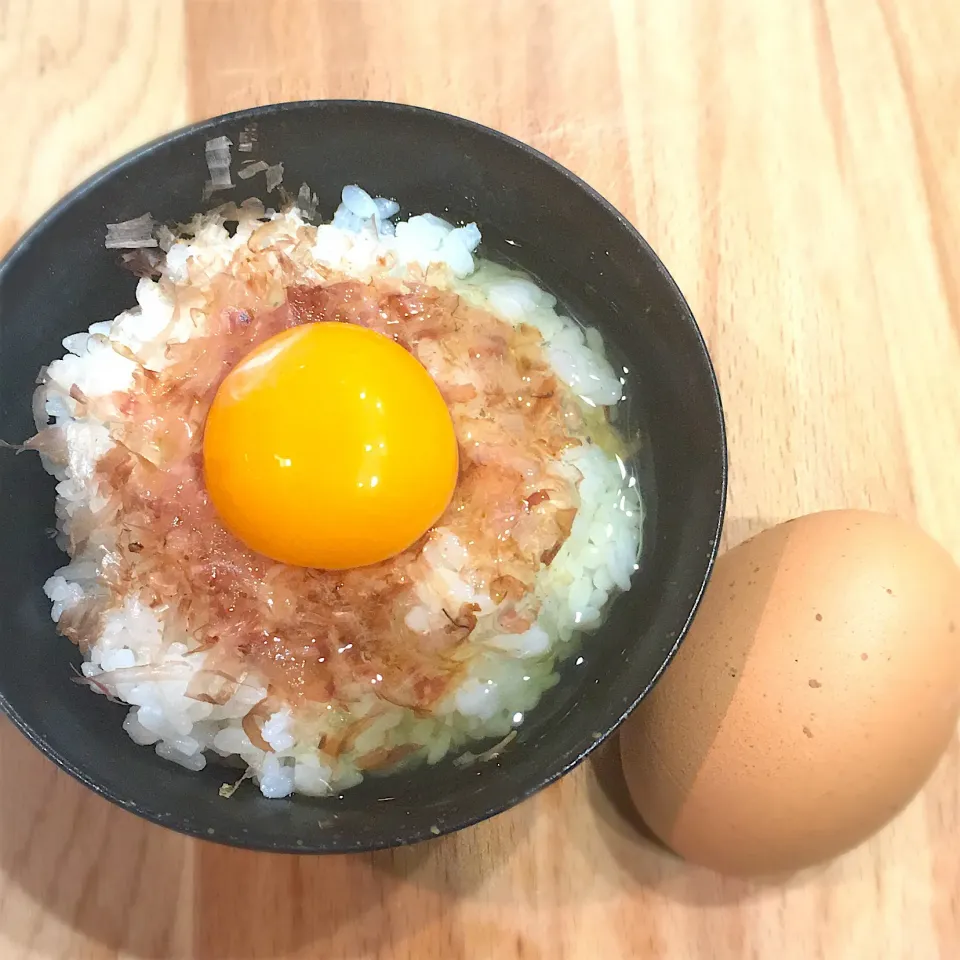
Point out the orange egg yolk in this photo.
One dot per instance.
(329, 446)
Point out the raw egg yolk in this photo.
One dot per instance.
(330, 446)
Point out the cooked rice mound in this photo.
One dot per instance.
(307, 679)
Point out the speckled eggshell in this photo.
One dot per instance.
(813, 696)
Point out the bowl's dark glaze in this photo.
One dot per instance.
(59, 278)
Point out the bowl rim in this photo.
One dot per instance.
(197, 829)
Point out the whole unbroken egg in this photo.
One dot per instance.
(814, 694)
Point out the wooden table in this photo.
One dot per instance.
(797, 166)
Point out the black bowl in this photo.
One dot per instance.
(59, 279)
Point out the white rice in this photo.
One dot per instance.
(142, 654)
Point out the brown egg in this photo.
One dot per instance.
(811, 699)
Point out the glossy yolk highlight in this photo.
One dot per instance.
(329, 446)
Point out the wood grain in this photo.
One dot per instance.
(797, 166)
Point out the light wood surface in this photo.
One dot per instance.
(797, 167)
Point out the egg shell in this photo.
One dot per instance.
(813, 696)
